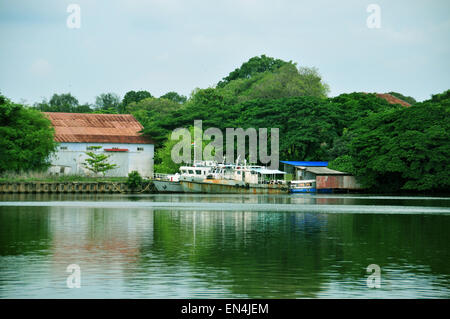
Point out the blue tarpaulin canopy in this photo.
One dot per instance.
(306, 163)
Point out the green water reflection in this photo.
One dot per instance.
(148, 253)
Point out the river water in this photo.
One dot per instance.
(224, 246)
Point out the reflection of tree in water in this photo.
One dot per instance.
(24, 230)
(251, 254)
(409, 241)
(254, 254)
(289, 255)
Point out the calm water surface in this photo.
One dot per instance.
(224, 246)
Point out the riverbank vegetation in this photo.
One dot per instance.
(389, 147)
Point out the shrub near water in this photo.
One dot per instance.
(134, 180)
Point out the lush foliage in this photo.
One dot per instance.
(109, 102)
(408, 99)
(134, 180)
(26, 138)
(174, 96)
(402, 149)
(386, 146)
(405, 149)
(65, 102)
(134, 97)
(253, 66)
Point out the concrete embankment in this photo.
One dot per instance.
(73, 187)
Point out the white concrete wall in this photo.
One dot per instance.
(133, 160)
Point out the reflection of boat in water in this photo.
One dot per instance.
(303, 186)
(235, 179)
(167, 186)
(171, 183)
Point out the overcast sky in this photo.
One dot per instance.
(178, 45)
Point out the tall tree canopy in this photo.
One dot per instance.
(252, 67)
(65, 102)
(174, 96)
(108, 102)
(402, 148)
(26, 138)
(134, 96)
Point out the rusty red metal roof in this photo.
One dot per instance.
(96, 128)
(392, 99)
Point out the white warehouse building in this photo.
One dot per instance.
(116, 135)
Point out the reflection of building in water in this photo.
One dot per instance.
(97, 238)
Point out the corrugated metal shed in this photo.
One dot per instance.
(96, 128)
(337, 182)
(306, 163)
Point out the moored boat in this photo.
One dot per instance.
(235, 179)
(171, 183)
(303, 186)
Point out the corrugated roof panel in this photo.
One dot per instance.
(325, 171)
(97, 128)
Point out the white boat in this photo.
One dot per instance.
(237, 179)
(171, 183)
(303, 186)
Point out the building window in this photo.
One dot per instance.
(63, 148)
(140, 148)
(93, 148)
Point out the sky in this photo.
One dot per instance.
(180, 45)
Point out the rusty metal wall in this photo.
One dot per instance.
(337, 182)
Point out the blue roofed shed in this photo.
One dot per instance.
(296, 170)
(305, 163)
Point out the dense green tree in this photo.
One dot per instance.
(311, 128)
(108, 101)
(134, 97)
(252, 67)
(65, 102)
(442, 97)
(158, 116)
(307, 124)
(287, 81)
(405, 148)
(408, 99)
(174, 96)
(26, 138)
(163, 158)
(343, 163)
